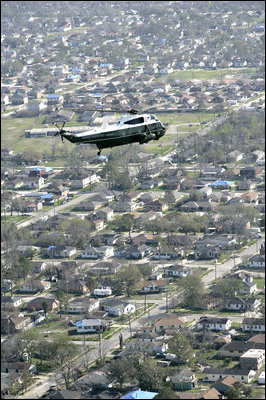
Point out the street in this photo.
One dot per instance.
(108, 345)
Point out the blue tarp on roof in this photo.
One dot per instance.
(53, 96)
(79, 324)
(51, 247)
(47, 196)
(222, 183)
(139, 394)
(37, 169)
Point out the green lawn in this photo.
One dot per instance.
(202, 74)
(260, 282)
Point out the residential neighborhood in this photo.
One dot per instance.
(140, 272)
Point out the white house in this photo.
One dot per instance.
(90, 325)
(177, 270)
(85, 181)
(253, 325)
(84, 305)
(102, 291)
(257, 261)
(116, 307)
(157, 346)
(97, 252)
(214, 324)
(243, 376)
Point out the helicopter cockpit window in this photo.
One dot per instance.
(153, 116)
(134, 121)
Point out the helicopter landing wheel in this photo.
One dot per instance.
(99, 153)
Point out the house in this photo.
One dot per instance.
(54, 99)
(117, 307)
(213, 323)
(62, 251)
(11, 324)
(170, 321)
(32, 182)
(18, 367)
(253, 325)
(104, 268)
(240, 374)
(101, 252)
(137, 252)
(90, 326)
(221, 184)
(240, 304)
(82, 306)
(253, 359)
(39, 266)
(154, 286)
(158, 205)
(257, 261)
(206, 251)
(82, 181)
(234, 156)
(73, 285)
(249, 287)
(34, 286)
(184, 380)
(102, 291)
(224, 384)
(177, 270)
(189, 206)
(37, 303)
(250, 172)
(98, 224)
(148, 346)
(105, 214)
(10, 303)
(212, 394)
(139, 394)
(236, 348)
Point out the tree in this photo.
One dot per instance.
(193, 290)
(45, 307)
(227, 287)
(64, 350)
(150, 377)
(120, 370)
(179, 345)
(126, 222)
(62, 299)
(26, 380)
(166, 392)
(239, 391)
(77, 230)
(129, 278)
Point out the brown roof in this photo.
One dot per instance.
(228, 380)
(170, 319)
(257, 338)
(209, 394)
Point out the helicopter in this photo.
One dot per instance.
(130, 128)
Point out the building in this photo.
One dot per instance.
(214, 324)
(253, 359)
(90, 326)
(82, 306)
(253, 325)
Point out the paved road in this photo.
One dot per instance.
(55, 210)
(107, 345)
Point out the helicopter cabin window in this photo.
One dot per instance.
(134, 121)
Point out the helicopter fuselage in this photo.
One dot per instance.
(129, 129)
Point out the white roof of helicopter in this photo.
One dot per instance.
(118, 125)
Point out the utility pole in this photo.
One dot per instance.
(166, 301)
(215, 269)
(129, 323)
(100, 344)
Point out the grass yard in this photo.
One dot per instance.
(260, 282)
(202, 74)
